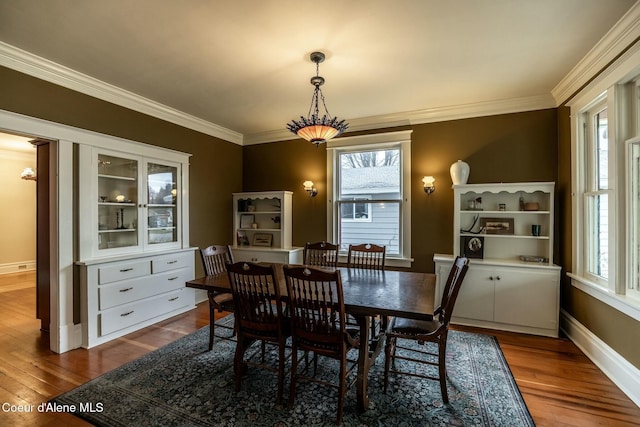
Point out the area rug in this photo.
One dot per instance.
(183, 384)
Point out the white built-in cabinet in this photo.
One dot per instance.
(134, 254)
(262, 223)
(512, 283)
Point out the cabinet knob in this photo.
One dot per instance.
(497, 277)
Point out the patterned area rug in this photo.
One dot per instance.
(183, 384)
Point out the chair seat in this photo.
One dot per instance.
(223, 298)
(401, 325)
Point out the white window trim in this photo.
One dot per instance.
(379, 140)
(622, 71)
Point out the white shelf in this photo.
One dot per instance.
(125, 178)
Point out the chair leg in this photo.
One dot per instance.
(341, 389)
(280, 371)
(212, 323)
(294, 371)
(241, 344)
(442, 368)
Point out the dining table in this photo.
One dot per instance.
(367, 293)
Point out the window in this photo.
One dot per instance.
(606, 186)
(597, 192)
(368, 177)
(634, 216)
(353, 209)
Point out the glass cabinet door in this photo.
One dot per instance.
(117, 202)
(162, 202)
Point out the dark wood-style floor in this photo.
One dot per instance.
(559, 384)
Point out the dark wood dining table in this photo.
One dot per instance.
(367, 293)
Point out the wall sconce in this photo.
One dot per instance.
(429, 184)
(29, 174)
(310, 189)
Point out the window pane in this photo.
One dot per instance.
(374, 173)
(634, 222)
(598, 235)
(602, 149)
(382, 226)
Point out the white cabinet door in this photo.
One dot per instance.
(527, 297)
(476, 297)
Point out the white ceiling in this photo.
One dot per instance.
(243, 65)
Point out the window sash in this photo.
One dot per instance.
(384, 227)
(597, 235)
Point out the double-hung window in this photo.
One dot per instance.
(596, 194)
(606, 186)
(369, 201)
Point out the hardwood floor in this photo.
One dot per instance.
(559, 384)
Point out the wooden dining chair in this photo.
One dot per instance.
(259, 317)
(318, 325)
(420, 331)
(371, 257)
(366, 255)
(214, 260)
(322, 254)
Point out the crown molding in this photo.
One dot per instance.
(622, 35)
(431, 115)
(30, 64)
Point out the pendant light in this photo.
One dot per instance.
(315, 128)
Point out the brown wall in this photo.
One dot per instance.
(216, 165)
(504, 148)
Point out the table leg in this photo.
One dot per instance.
(362, 381)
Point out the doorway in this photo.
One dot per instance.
(24, 249)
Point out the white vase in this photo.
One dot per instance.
(459, 172)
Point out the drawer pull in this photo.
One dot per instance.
(126, 289)
(172, 262)
(127, 313)
(172, 278)
(124, 270)
(173, 299)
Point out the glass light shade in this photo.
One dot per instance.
(428, 181)
(429, 184)
(28, 174)
(308, 185)
(317, 133)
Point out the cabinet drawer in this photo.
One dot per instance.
(283, 256)
(129, 314)
(123, 271)
(171, 262)
(131, 290)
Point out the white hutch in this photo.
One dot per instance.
(262, 227)
(507, 232)
(134, 254)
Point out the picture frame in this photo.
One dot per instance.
(497, 225)
(242, 239)
(262, 239)
(472, 246)
(247, 220)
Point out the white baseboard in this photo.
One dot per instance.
(17, 267)
(622, 373)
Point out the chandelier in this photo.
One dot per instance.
(315, 128)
